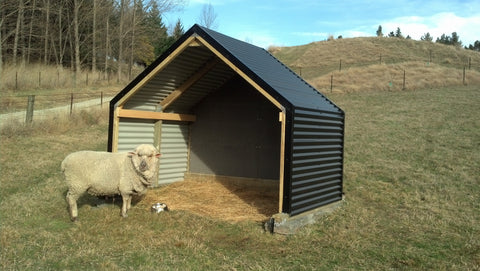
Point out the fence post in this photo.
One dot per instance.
(71, 103)
(16, 80)
(39, 79)
(30, 105)
(340, 67)
(86, 80)
(101, 99)
(331, 83)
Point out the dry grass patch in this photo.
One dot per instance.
(222, 200)
(418, 75)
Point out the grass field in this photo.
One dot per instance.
(411, 182)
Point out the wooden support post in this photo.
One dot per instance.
(331, 83)
(30, 106)
(71, 103)
(282, 119)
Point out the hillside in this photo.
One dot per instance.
(379, 64)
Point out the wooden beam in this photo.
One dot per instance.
(116, 125)
(282, 118)
(197, 76)
(158, 68)
(137, 114)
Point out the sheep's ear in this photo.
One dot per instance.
(130, 154)
(158, 155)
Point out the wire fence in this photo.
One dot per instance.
(27, 108)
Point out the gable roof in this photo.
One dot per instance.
(258, 64)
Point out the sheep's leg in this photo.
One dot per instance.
(72, 205)
(129, 203)
(126, 198)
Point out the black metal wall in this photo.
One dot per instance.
(317, 159)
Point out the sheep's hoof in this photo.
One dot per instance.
(124, 215)
(74, 219)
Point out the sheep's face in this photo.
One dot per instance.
(144, 159)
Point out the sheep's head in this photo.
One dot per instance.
(144, 159)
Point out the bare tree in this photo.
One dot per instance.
(208, 17)
(30, 32)
(47, 23)
(120, 40)
(132, 44)
(76, 37)
(94, 34)
(18, 32)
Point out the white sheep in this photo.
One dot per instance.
(105, 174)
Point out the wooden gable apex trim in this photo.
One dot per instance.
(157, 69)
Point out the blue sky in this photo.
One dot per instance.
(298, 22)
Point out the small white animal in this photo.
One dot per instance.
(105, 174)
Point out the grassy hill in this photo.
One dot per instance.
(379, 64)
(411, 200)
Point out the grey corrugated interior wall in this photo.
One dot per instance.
(237, 133)
(317, 159)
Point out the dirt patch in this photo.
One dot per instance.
(229, 201)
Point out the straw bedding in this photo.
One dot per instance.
(229, 201)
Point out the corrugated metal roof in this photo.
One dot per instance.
(262, 66)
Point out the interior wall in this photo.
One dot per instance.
(237, 133)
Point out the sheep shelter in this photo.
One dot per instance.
(221, 108)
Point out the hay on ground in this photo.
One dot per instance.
(229, 201)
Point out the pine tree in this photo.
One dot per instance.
(379, 31)
(398, 33)
(427, 37)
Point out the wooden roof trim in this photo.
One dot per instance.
(158, 68)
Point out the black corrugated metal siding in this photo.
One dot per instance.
(317, 159)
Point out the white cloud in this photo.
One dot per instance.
(436, 25)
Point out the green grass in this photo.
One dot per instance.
(411, 184)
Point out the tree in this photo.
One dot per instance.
(475, 46)
(18, 30)
(427, 37)
(391, 34)
(76, 7)
(447, 40)
(120, 41)
(379, 31)
(208, 17)
(398, 33)
(178, 30)
(94, 35)
(456, 40)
